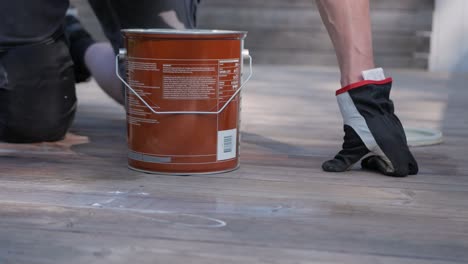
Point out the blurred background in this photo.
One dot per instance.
(418, 34)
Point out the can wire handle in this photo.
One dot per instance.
(245, 54)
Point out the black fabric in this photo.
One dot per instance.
(374, 104)
(353, 150)
(4, 102)
(115, 15)
(39, 101)
(26, 22)
(79, 41)
(3, 76)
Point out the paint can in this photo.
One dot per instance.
(183, 99)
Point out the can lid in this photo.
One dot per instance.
(184, 33)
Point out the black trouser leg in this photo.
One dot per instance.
(40, 102)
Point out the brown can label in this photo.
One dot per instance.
(182, 140)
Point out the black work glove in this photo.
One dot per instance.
(370, 125)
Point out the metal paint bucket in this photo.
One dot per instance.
(183, 99)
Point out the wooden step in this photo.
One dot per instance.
(393, 22)
(374, 4)
(320, 42)
(301, 57)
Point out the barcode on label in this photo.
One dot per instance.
(227, 144)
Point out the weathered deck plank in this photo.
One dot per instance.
(76, 202)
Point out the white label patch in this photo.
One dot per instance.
(227, 144)
(376, 74)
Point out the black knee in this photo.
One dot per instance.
(44, 128)
(39, 101)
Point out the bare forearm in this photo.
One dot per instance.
(348, 24)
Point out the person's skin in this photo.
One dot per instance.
(349, 27)
(100, 60)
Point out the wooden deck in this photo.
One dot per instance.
(76, 202)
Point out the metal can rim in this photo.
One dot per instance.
(162, 31)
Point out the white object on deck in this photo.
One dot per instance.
(418, 137)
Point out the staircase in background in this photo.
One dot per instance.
(291, 31)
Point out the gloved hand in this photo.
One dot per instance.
(370, 125)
